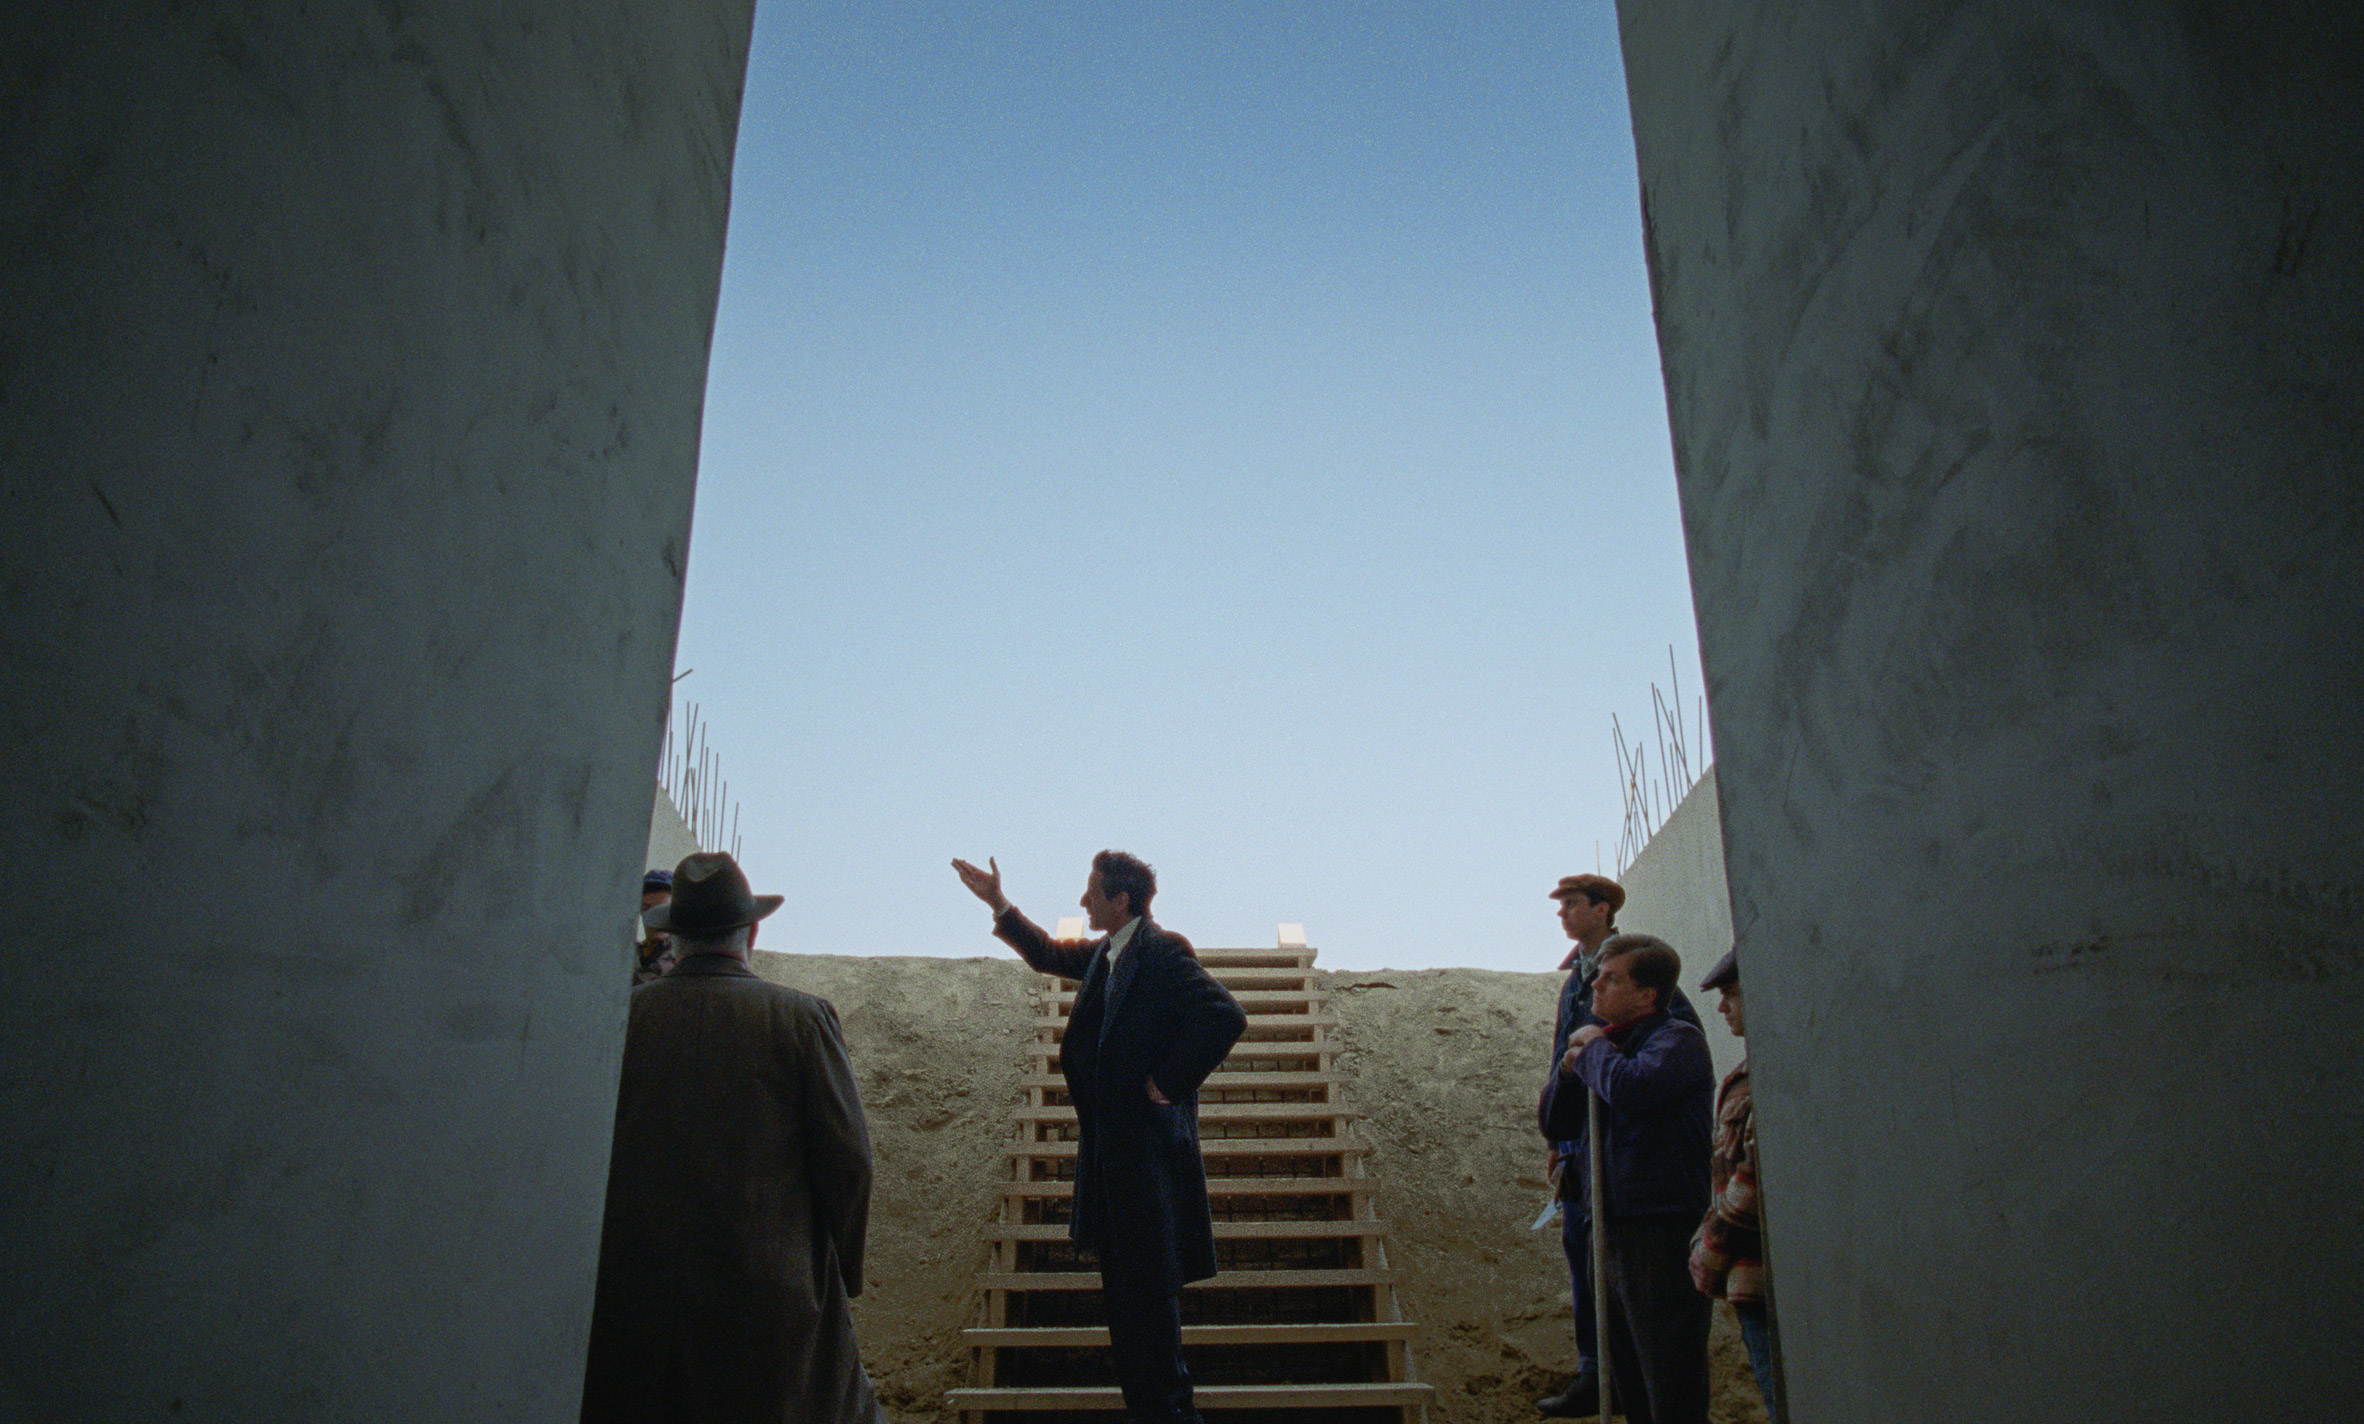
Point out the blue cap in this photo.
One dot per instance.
(656, 880)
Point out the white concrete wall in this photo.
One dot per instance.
(349, 395)
(1674, 889)
(669, 838)
(2011, 354)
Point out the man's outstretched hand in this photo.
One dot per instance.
(984, 884)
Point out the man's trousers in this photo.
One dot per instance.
(1657, 1320)
(1145, 1336)
(1576, 1244)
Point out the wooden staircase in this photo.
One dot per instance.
(1300, 1325)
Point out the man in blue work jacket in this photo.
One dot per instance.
(1657, 1087)
(1588, 906)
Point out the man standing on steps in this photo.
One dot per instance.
(1149, 1025)
(1588, 916)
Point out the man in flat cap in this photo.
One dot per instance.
(1728, 1250)
(1588, 906)
(738, 1190)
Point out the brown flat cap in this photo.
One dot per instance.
(1726, 974)
(1591, 887)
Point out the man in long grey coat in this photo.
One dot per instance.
(738, 1191)
(1149, 1025)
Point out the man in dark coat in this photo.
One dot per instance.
(1654, 1078)
(738, 1190)
(1149, 1025)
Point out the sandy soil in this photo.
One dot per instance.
(1444, 1061)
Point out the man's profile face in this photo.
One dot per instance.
(650, 899)
(1580, 916)
(1616, 998)
(1729, 1007)
(1104, 914)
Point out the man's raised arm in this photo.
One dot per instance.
(1069, 961)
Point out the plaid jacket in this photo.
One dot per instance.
(1727, 1252)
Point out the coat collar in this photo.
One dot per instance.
(723, 965)
(1631, 1034)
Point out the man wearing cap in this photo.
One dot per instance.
(1728, 1250)
(1149, 1025)
(1588, 906)
(1655, 1082)
(655, 950)
(738, 1191)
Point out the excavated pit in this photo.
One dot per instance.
(1442, 1063)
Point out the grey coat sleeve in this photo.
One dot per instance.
(837, 1146)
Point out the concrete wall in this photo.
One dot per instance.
(2011, 353)
(669, 838)
(1675, 890)
(349, 396)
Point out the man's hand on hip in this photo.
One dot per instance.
(1154, 1095)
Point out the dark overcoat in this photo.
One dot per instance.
(738, 1195)
(1140, 1184)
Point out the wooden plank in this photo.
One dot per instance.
(1215, 959)
(1216, 1112)
(1255, 1022)
(1246, 1049)
(1223, 1078)
(1236, 977)
(1226, 1147)
(1069, 1337)
(1289, 1000)
(1228, 1187)
(1205, 1396)
(1367, 1226)
(1222, 1280)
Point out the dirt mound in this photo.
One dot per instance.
(1445, 1062)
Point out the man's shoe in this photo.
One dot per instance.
(1581, 1399)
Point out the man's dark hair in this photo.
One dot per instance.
(1649, 961)
(1127, 875)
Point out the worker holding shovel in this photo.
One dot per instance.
(1587, 911)
(1651, 1073)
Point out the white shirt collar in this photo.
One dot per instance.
(1123, 937)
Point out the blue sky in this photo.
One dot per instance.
(1230, 433)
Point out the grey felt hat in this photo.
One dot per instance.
(710, 897)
